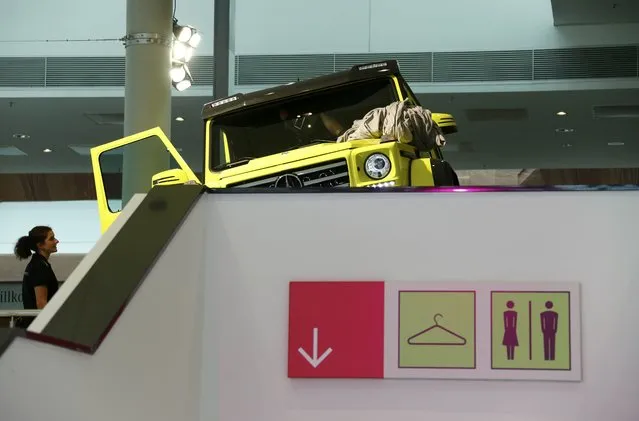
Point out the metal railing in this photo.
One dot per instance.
(12, 314)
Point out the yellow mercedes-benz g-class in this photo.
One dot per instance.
(293, 136)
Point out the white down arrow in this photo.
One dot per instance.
(315, 360)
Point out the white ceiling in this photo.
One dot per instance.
(57, 123)
(532, 141)
(586, 12)
(527, 142)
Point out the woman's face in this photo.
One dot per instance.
(50, 244)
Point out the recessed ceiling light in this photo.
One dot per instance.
(21, 136)
(562, 113)
(616, 143)
(564, 130)
(47, 150)
(179, 118)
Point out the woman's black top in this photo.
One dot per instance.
(37, 273)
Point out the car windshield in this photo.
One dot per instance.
(317, 117)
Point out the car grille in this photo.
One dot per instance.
(326, 174)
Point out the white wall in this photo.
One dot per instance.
(357, 26)
(294, 27)
(12, 270)
(146, 369)
(301, 27)
(75, 223)
(233, 331)
(259, 243)
(75, 19)
(68, 19)
(468, 25)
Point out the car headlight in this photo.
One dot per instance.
(377, 166)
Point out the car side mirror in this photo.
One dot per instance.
(169, 177)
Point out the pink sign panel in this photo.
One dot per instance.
(336, 330)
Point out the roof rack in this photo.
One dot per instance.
(356, 73)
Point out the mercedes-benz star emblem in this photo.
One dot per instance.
(289, 181)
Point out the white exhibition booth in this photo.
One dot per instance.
(206, 336)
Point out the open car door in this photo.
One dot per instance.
(107, 161)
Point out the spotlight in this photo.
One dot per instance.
(181, 52)
(183, 85)
(182, 33)
(195, 39)
(181, 77)
(178, 72)
(186, 39)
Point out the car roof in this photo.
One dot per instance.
(356, 73)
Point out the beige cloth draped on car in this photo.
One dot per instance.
(398, 121)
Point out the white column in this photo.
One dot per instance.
(147, 97)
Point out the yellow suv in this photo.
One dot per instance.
(289, 137)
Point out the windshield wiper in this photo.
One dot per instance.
(241, 161)
(312, 142)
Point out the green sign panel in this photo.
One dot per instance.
(437, 329)
(10, 295)
(530, 330)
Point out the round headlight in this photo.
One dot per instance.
(377, 166)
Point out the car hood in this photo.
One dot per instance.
(295, 155)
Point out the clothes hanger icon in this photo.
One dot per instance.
(412, 340)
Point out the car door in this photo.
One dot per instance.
(107, 162)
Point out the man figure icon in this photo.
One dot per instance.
(549, 321)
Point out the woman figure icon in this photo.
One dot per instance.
(510, 340)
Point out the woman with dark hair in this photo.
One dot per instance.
(39, 282)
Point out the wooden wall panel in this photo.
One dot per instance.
(594, 176)
(51, 187)
(78, 186)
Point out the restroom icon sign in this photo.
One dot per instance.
(530, 330)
